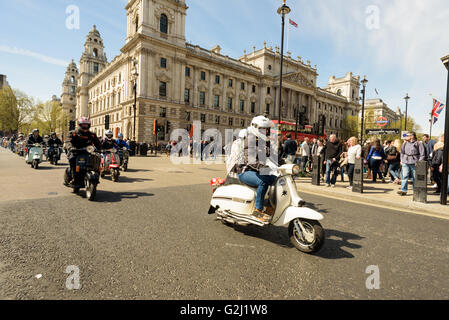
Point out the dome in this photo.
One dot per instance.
(94, 32)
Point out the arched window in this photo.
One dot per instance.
(137, 23)
(95, 52)
(72, 79)
(164, 23)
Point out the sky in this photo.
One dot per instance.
(397, 44)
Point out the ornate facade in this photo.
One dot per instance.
(178, 83)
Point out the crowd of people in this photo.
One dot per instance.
(384, 161)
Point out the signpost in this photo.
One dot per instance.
(381, 132)
(382, 121)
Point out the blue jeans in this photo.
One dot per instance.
(375, 165)
(254, 179)
(334, 168)
(394, 169)
(408, 171)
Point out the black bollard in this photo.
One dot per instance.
(316, 171)
(358, 176)
(420, 189)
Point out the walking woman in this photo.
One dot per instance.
(394, 161)
(375, 157)
(354, 152)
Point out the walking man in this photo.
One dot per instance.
(332, 152)
(412, 151)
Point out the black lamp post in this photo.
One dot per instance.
(135, 75)
(283, 11)
(364, 82)
(407, 98)
(446, 139)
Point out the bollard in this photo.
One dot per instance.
(316, 170)
(358, 176)
(420, 188)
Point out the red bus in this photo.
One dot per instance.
(290, 127)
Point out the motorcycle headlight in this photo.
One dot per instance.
(296, 170)
(90, 149)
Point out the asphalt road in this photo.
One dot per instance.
(160, 243)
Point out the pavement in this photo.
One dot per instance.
(149, 237)
(378, 194)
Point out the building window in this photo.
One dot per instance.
(187, 72)
(217, 79)
(268, 108)
(203, 118)
(242, 86)
(269, 67)
(188, 116)
(217, 101)
(254, 89)
(231, 122)
(339, 92)
(163, 112)
(242, 123)
(217, 119)
(230, 83)
(242, 106)
(268, 90)
(163, 63)
(187, 95)
(230, 104)
(96, 67)
(203, 75)
(162, 89)
(164, 24)
(202, 98)
(253, 107)
(72, 89)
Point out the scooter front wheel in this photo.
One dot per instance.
(115, 175)
(306, 235)
(91, 190)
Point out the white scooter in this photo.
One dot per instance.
(234, 203)
(34, 155)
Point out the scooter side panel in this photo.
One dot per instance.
(292, 213)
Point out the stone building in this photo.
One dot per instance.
(177, 83)
(68, 97)
(377, 108)
(3, 82)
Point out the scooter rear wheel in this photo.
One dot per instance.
(310, 242)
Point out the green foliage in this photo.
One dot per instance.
(351, 127)
(15, 110)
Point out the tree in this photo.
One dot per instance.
(47, 116)
(351, 127)
(16, 109)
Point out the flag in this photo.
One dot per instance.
(436, 111)
(293, 23)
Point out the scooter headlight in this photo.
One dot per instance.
(296, 170)
(90, 149)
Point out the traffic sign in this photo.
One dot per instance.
(382, 132)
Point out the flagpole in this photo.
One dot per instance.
(288, 34)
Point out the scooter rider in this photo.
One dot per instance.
(34, 138)
(108, 141)
(260, 173)
(81, 138)
(120, 142)
(54, 140)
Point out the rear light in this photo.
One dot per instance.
(78, 169)
(216, 182)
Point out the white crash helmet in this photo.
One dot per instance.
(243, 134)
(109, 134)
(261, 127)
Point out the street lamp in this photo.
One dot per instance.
(135, 75)
(364, 82)
(407, 98)
(446, 139)
(283, 11)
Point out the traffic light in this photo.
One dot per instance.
(168, 127)
(72, 125)
(302, 120)
(155, 127)
(106, 122)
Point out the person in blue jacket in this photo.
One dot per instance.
(376, 157)
(122, 143)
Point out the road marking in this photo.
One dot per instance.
(239, 246)
(410, 211)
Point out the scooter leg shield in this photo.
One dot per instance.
(292, 213)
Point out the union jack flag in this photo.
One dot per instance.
(436, 111)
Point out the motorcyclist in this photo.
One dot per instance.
(120, 142)
(81, 138)
(19, 141)
(53, 140)
(34, 138)
(108, 141)
(254, 169)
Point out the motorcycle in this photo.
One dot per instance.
(234, 203)
(54, 154)
(34, 155)
(20, 146)
(124, 158)
(86, 174)
(110, 164)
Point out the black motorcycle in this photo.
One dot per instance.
(54, 154)
(124, 158)
(87, 172)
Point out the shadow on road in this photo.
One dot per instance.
(138, 170)
(107, 196)
(124, 179)
(276, 235)
(333, 248)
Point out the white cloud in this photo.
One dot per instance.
(28, 53)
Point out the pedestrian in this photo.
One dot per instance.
(412, 151)
(354, 152)
(436, 162)
(290, 148)
(394, 161)
(376, 157)
(331, 154)
(387, 146)
(305, 153)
